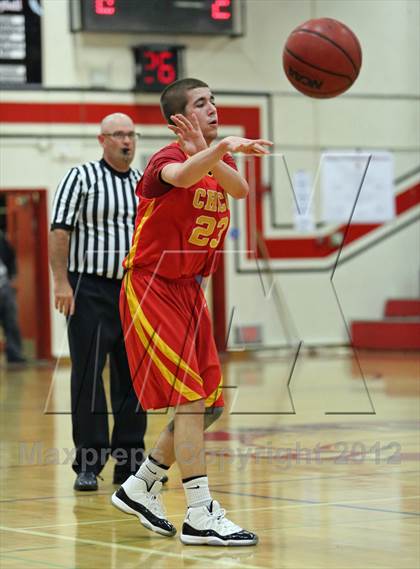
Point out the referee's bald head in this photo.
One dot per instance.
(118, 140)
(115, 120)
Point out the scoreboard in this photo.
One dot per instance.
(199, 17)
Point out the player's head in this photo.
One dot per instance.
(118, 139)
(187, 96)
(174, 98)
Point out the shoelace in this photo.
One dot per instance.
(221, 514)
(224, 522)
(155, 504)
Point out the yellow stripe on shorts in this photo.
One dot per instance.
(175, 383)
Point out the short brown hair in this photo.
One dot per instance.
(174, 98)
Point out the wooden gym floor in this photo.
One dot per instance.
(325, 471)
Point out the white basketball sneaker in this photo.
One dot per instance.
(209, 526)
(134, 497)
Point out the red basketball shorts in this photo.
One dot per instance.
(169, 341)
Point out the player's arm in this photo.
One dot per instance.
(230, 180)
(192, 142)
(185, 174)
(59, 240)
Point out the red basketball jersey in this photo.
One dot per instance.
(179, 233)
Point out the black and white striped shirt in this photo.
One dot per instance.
(98, 205)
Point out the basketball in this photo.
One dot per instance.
(322, 58)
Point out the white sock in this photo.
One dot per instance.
(197, 491)
(150, 471)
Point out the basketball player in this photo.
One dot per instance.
(181, 225)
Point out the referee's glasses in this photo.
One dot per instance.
(119, 135)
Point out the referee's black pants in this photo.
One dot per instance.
(95, 331)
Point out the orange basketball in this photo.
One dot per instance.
(322, 58)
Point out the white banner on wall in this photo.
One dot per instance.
(341, 178)
(303, 214)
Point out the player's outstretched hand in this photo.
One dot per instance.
(189, 134)
(247, 145)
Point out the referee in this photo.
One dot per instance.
(92, 225)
